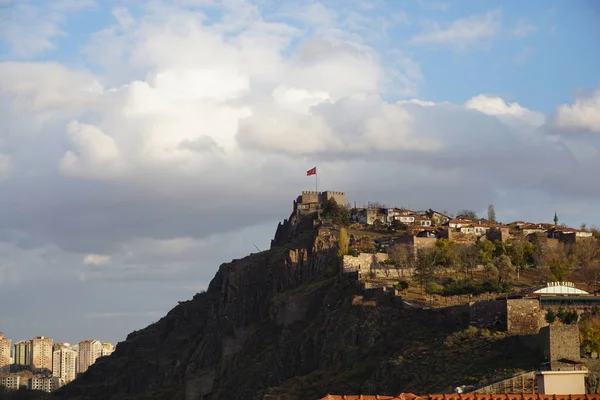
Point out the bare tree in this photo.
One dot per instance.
(587, 257)
(466, 214)
(403, 257)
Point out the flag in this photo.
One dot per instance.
(312, 171)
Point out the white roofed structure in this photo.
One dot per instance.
(558, 288)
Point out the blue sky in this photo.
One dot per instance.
(533, 53)
(145, 142)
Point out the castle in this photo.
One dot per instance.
(310, 201)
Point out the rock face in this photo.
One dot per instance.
(285, 324)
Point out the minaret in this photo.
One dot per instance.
(555, 219)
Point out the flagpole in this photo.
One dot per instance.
(316, 181)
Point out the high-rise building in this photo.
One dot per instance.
(23, 353)
(89, 351)
(4, 354)
(64, 361)
(107, 349)
(41, 353)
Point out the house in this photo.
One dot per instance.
(422, 221)
(568, 235)
(459, 223)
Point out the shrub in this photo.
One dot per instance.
(467, 286)
(433, 288)
(400, 286)
(550, 316)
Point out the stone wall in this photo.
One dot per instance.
(489, 314)
(524, 316)
(560, 342)
(362, 263)
(423, 243)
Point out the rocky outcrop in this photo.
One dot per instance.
(283, 324)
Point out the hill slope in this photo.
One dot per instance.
(283, 324)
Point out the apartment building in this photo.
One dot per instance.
(107, 349)
(10, 381)
(41, 353)
(64, 363)
(23, 353)
(4, 354)
(45, 383)
(89, 352)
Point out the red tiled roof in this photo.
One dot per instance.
(410, 396)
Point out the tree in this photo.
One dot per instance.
(468, 214)
(486, 251)
(491, 270)
(589, 332)
(425, 267)
(559, 262)
(397, 225)
(339, 214)
(469, 258)
(403, 257)
(587, 256)
(505, 268)
(519, 251)
(491, 213)
(550, 316)
(343, 242)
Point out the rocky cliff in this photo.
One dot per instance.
(284, 324)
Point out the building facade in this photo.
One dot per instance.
(107, 349)
(45, 383)
(23, 353)
(89, 352)
(41, 353)
(64, 363)
(4, 354)
(10, 381)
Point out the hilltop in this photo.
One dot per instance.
(287, 324)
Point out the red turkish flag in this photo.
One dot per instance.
(312, 171)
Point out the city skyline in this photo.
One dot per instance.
(145, 143)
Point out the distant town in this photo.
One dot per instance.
(41, 364)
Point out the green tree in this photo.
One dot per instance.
(505, 268)
(343, 242)
(550, 316)
(519, 251)
(491, 271)
(486, 251)
(397, 225)
(491, 213)
(338, 214)
(589, 333)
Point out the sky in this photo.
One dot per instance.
(144, 143)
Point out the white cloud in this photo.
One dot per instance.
(96, 259)
(31, 30)
(523, 29)
(583, 114)
(498, 107)
(464, 32)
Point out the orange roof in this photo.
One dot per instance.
(410, 396)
